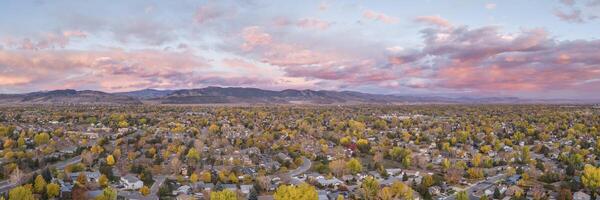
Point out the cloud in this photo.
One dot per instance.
(486, 60)
(254, 36)
(574, 16)
(207, 13)
(47, 40)
(12, 80)
(568, 2)
(313, 23)
(374, 15)
(39, 70)
(238, 63)
(490, 6)
(434, 20)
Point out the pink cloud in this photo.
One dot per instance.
(47, 69)
(313, 23)
(434, 20)
(47, 41)
(485, 60)
(238, 63)
(373, 15)
(13, 80)
(208, 13)
(254, 36)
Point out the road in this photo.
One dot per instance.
(477, 186)
(6, 185)
(306, 164)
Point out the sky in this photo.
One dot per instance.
(529, 49)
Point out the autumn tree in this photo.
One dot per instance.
(338, 167)
(110, 160)
(591, 178)
(108, 194)
(368, 188)
(103, 180)
(223, 195)
(20, 193)
(145, 190)
(39, 184)
(354, 166)
(462, 195)
(402, 191)
(300, 192)
(52, 190)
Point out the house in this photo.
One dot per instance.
(65, 189)
(513, 179)
(322, 181)
(184, 189)
(90, 176)
(131, 182)
(435, 190)
(581, 196)
(231, 187)
(246, 189)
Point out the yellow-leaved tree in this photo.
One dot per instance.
(591, 178)
(223, 195)
(300, 192)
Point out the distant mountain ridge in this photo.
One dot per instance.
(241, 95)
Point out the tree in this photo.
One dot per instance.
(300, 192)
(82, 178)
(39, 184)
(591, 178)
(462, 195)
(145, 190)
(369, 188)
(20, 193)
(402, 191)
(565, 194)
(193, 155)
(385, 194)
(354, 166)
(52, 190)
(108, 194)
(233, 178)
(41, 138)
(16, 176)
(223, 195)
(110, 160)
(206, 177)
(194, 177)
(338, 167)
(214, 129)
(103, 180)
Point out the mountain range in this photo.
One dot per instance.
(239, 95)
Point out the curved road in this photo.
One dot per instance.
(306, 164)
